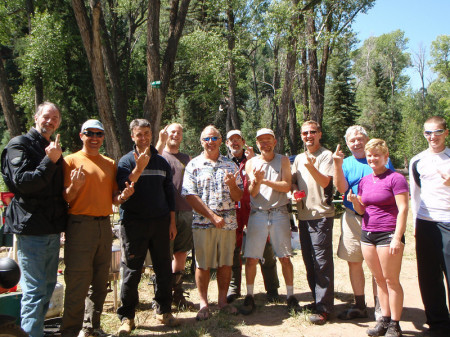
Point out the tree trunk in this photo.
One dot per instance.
(92, 45)
(232, 109)
(6, 100)
(314, 96)
(293, 132)
(304, 85)
(155, 99)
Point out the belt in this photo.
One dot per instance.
(101, 217)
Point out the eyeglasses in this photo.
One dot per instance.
(88, 133)
(312, 132)
(207, 139)
(435, 132)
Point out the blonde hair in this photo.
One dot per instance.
(377, 144)
(213, 128)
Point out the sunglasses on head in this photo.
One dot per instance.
(207, 139)
(88, 133)
(312, 132)
(436, 132)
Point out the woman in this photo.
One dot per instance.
(383, 201)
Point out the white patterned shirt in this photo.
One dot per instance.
(205, 179)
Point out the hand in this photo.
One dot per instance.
(172, 230)
(259, 174)
(445, 177)
(338, 156)
(249, 153)
(77, 177)
(230, 178)
(395, 246)
(163, 135)
(310, 160)
(142, 160)
(53, 151)
(218, 221)
(127, 191)
(351, 197)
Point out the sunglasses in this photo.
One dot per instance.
(436, 133)
(305, 133)
(88, 133)
(207, 139)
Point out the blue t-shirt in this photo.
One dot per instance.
(354, 169)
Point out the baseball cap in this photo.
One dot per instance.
(92, 124)
(233, 132)
(264, 131)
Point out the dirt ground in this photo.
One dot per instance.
(274, 319)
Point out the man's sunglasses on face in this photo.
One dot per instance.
(435, 132)
(207, 139)
(98, 134)
(312, 132)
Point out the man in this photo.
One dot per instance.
(270, 181)
(235, 143)
(32, 164)
(212, 185)
(312, 172)
(91, 190)
(148, 224)
(347, 174)
(429, 174)
(168, 145)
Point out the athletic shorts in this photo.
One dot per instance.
(349, 248)
(261, 224)
(183, 241)
(378, 239)
(214, 247)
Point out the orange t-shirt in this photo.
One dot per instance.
(95, 197)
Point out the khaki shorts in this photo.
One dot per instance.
(350, 241)
(183, 240)
(214, 247)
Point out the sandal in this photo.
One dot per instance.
(229, 310)
(202, 314)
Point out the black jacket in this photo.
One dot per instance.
(38, 207)
(154, 193)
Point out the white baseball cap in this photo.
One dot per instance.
(264, 131)
(92, 124)
(234, 132)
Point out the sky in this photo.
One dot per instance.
(421, 20)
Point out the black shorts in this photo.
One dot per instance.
(379, 239)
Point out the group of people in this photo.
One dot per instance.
(171, 204)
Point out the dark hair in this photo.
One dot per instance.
(438, 120)
(140, 123)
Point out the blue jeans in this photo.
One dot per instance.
(38, 261)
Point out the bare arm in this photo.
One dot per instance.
(402, 204)
(200, 207)
(322, 179)
(162, 139)
(339, 180)
(141, 163)
(77, 180)
(356, 201)
(235, 192)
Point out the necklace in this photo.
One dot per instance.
(373, 178)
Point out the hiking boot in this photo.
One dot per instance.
(126, 327)
(272, 296)
(393, 330)
(232, 297)
(318, 318)
(93, 333)
(310, 307)
(249, 305)
(380, 329)
(179, 295)
(353, 312)
(168, 320)
(292, 304)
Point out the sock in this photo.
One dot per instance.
(289, 291)
(396, 323)
(250, 289)
(386, 319)
(360, 301)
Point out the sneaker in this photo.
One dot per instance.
(393, 330)
(292, 304)
(318, 318)
(249, 305)
(310, 307)
(232, 297)
(353, 312)
(168, 320)
(380, 329)
(126, 327)
(272, 296)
